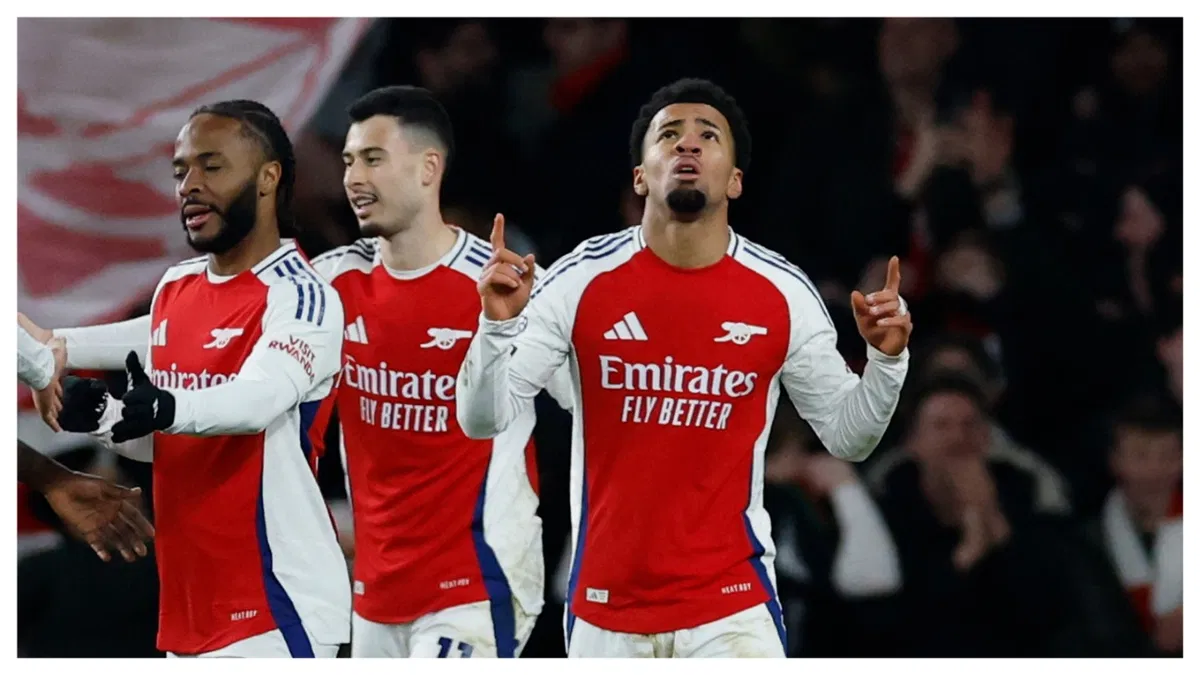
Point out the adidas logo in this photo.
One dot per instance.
(357, 332)
(628, 328)
(158, 338)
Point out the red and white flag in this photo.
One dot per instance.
(100, 102)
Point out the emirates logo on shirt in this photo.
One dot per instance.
(398, 400)
(178, 379)
(671, 377)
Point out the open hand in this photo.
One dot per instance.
(105, 515)
(882, 317)
(507, 279)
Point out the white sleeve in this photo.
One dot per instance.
(35, 361)
(105, 347)
(866, 562)
(849, 414)
(507, 364)
(562, 388)
(294, 356)
(138, 449)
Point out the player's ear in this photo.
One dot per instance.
(639, 181)
(734, 188)
(432, 166)
(268, 178)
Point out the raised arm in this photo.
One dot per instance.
(848, 413)
(518, 349)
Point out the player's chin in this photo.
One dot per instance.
(370, 227)
(206, 233)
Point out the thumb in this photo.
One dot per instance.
(859, 303)
(893, 275)
(137, 374)
(120, 491)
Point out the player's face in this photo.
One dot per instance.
(216, 168)
(688, 159)
(384, 176)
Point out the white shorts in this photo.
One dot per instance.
(751, 633)
(297, 644)
(465, 631)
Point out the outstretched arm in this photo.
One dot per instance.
(105, 347)
(103, 514)
(297, 353)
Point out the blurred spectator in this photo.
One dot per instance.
(580, 159)
(1128, 119)
(988, 570)
(323, 215)
(834, 556)
(852, 167)
(1142, 522)
(949, 423)
(1170, 355)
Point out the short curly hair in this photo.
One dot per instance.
(694, 90)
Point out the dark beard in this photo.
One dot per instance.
(237, 221)
(686, 201)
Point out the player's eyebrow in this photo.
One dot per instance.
(346, 154)
(202, 157)
(678, 122)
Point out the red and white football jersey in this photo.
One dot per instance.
(245, 544)
(676, 374)
(440, 520)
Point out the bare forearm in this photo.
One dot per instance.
(37, 470)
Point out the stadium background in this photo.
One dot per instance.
(1028, 172)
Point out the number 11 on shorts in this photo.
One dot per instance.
(446, 644)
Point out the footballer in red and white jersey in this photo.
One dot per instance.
(677, 369)
(440, 520)
(245, 544)
(240, 348)
(448, 560)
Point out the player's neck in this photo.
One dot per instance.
(255, 248)
(422, 244)
(687, 245)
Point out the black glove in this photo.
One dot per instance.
(84, 401)
(147, 408)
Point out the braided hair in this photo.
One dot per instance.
(263, 127)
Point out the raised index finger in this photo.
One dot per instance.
(893, 275)
(498, 232)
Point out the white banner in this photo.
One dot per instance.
(100, 102)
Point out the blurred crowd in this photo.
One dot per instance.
(1027, 500)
